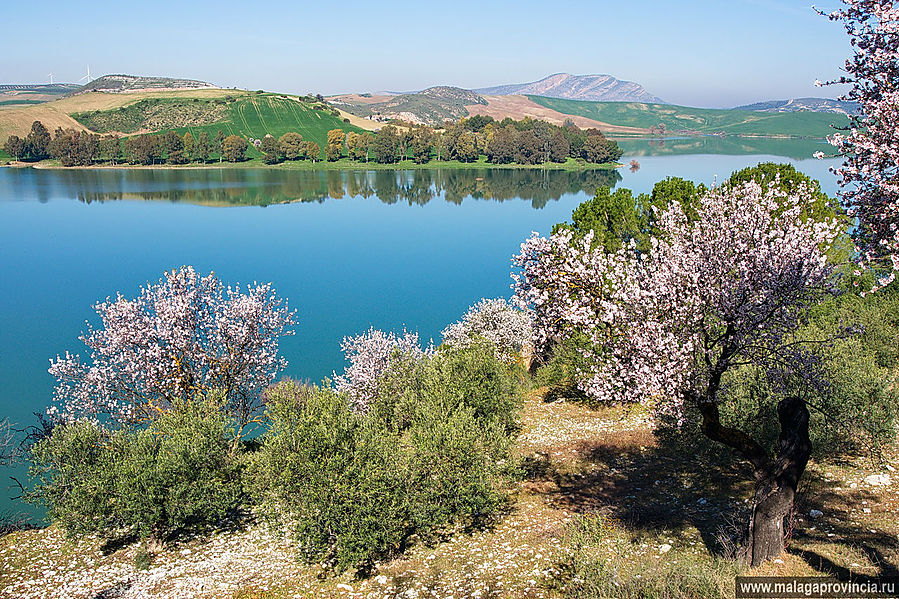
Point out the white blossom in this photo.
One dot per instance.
(869, 175)
(726, 287)
(182, 336)
(496, 321)
(370, 355)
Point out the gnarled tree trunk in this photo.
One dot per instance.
(776, 477)
(776, 486)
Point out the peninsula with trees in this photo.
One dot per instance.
(472, 141)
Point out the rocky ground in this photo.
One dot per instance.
(668, 499)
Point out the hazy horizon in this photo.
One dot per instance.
(703, 53)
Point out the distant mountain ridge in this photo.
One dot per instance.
(807, 104)
(129, 83)
(452, 94)
(596, 88)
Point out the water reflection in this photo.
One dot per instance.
(262, 187)
(796, 148)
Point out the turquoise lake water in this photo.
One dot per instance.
(388, 249)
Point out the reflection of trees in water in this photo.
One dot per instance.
(258, 187)
(538, 186)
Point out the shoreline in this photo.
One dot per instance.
(339, 165)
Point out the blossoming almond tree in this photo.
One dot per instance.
(370, 355)
(724, 289)
(506, 328)
(869, 175)
(181, 337)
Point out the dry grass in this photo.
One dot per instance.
(666, 503)
(17, 121)
(360, 122)
(359, 99)
(519, 107)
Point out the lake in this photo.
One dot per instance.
(348, 249)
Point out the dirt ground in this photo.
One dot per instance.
(671, 500)
(518, 107)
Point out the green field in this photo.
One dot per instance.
(704, 120)
(250, 115)
(19, 102)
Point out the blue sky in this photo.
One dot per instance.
(714, 53)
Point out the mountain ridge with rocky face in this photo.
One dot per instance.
(596, 88)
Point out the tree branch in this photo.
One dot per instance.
(733, 438)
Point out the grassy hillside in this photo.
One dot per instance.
(247, 115)
(704, 120)
(17, 120)
(432, 106)
(155, 114)
(232, 112)
(257, 115)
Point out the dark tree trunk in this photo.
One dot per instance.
(777, 477)
(776, 487)
(766, 525)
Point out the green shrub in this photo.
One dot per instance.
(332, 474)
(178, 472)
(427, 457)
(453, 462)
(859, 407)
(456, 412)
(469, 376)
(559, 371)
(143, 559)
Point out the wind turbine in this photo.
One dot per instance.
(88, 76)
(51, 78)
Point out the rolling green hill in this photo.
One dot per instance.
(247, 115)
(703, 120)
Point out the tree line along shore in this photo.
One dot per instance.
(526, 142)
